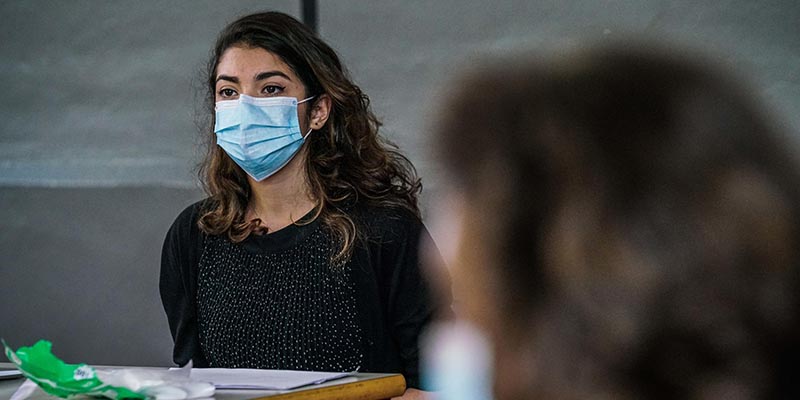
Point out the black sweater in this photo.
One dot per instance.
(275, 301)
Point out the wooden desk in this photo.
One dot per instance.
(361, 386)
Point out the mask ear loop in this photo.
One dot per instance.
(306, 99)
(309, 129)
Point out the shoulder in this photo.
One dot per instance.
(184, 241)
(190, 214)
(185, 224)
(387, 223)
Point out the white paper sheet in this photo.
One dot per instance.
(263, 379)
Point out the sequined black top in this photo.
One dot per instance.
(275, 301)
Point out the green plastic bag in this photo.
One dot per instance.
(60, 379)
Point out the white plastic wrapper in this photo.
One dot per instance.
(157, 383)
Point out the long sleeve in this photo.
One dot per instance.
(177, 286)
(411, 302)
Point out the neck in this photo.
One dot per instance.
(283, 198)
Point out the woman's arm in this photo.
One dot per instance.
(176, 285)
(412, 305)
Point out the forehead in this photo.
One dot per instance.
(246, 62)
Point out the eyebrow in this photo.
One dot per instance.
(264, 75)
(259, 76)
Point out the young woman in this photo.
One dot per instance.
(305, 253)
(642, 239)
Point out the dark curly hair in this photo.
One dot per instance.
(347, 163)
(643, 238)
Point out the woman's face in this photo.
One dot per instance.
(257, 73)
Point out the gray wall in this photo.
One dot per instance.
(98, 140)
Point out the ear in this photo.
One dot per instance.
(320, 112)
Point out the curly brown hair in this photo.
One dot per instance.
(347, 163)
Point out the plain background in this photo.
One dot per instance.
(99, 111)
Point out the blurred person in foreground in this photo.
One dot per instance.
(628, 228)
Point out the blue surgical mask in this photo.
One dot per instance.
(260, 134)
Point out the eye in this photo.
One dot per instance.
(272, 89)
(227, 93)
